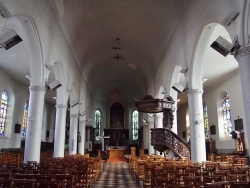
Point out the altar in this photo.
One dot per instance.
(116, 152)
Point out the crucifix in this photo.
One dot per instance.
(102, 140)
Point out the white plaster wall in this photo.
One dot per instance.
(48, 121)
(15, 109)
(232, 86)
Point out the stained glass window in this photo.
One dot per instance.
(3, 112)
(98, 124)
(135, 125)
(25, 120)
(205, 116)
(225, 127)
(188, 126)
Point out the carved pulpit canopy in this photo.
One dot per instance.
(149, 104)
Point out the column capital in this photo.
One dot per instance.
(61, 106)
(194, 91)
(37, 88)
(242, 52)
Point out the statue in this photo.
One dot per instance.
(212, 146)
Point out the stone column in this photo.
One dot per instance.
(73, 134)
(34, 127)
(195, 106)
(174, 126)
(59, 143)
(159, 120)
(81, 140)
(243, 57)
(151, 149)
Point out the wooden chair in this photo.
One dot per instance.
(224, 184)
(148, 172)
(66, 180)
(47, 177)
(240, 184)
(212, 179)
(237, 177)
(48, 184)
(242, 161)
(81, 178)
(5, 183)
(221, 173)
(156, 173)
(140, 175)
(164, 182)
(23, 176)
(193, 181)
(23, 183)
(5, 176)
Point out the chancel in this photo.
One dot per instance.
(186, 62)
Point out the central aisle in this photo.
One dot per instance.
(116, 174)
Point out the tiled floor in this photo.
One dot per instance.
(116, 175)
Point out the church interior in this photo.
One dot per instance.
(124, 93)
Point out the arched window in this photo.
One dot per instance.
(97, 124)
(225, 127)
(135, 125)
(25, 120)
(188, 126)
(3, 112)
(205, 116)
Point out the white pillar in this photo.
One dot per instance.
(198, 147)
(81, 143)
(243, 57)
(73, 134)
(44, 123)
(174, 126)
(159, 120)
(151, 149)
(158, 124)
(34, 127)
(59, 143)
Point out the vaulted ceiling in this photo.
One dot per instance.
(143, 29)
(117, 43)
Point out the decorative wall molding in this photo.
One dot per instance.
(37, 88)
(242, 52)
(194, 91)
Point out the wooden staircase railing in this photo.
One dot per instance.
(177, 144)
(163, 138)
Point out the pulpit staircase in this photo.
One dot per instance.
(163, 139)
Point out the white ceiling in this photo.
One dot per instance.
(144, 29)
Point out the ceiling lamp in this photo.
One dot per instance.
(117, 57)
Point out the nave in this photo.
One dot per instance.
(115, 174)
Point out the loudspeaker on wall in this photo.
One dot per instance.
(17, 128)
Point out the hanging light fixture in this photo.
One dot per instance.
(117, 56)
